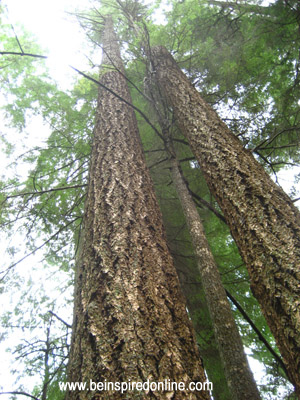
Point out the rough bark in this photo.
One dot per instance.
(237, 371)
(182, 249)
(262, 219)
(130, 319)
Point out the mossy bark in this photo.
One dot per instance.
(130, 319)
(263, 221)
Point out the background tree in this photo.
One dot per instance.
(237, 371)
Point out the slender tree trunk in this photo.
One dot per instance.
(130, 319)
(198, 310)
(237, 371)
(262, 219)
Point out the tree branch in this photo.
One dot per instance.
(60, 319)
(257, 9)
(21, 393)
(180, 141)
(37, 193)
(95, 81)
(120, 98)
(14, 53)
(207, 205)
(17, 39)
(257, 331)
(5, 272)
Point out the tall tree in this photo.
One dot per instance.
(130, 320)
(237, 371)
(262, 218)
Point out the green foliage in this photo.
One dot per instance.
(49, 199)
(42, 206)
(245, 64)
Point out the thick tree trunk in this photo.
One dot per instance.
(262, 219)
(237, 371)
(130, 319)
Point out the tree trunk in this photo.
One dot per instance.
(130, 319)
(198, 310)
(262, 219)
(242, 7)
(237, 371)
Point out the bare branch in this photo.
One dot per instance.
(207, 205)
(17, 39)
(120, 98)
(60, 319)
(21, 393)
(14, 53)
(5, 272)
(257, 331)
(38, 193)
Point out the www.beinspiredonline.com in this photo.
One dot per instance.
(166, 385)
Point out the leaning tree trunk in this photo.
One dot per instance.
(130, 319)
(237, 371)
(262, 219)
(198, 310)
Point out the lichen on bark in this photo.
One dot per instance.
(263, 220)
(130, 319)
